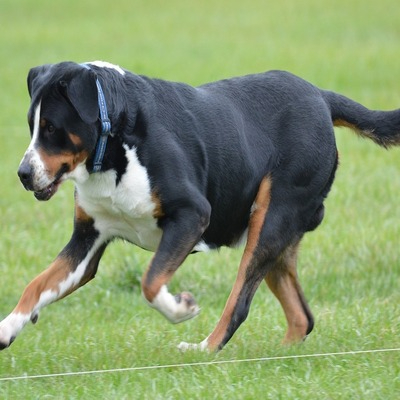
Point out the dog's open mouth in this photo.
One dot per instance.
(50, 190)
(47, 192)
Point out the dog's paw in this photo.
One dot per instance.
(203, 346)
(5, 338)
(6, 334)
(187, 307)
(10, 327)
(178, 308)
(4, 343)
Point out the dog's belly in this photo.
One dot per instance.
(142, 232)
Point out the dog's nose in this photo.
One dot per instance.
(25, 174)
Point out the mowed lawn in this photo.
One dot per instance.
(349, 267)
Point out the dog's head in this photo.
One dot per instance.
(63, 121)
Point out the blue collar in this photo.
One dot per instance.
(105, 127)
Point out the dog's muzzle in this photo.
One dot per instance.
(37, 180)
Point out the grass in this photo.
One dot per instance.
(349, 267)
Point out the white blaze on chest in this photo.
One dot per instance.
(124, 210)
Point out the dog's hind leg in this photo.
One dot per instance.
(252, 270)
(284, 284)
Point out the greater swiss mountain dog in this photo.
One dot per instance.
(177, 169)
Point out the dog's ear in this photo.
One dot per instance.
(82, 93)
(34, 77)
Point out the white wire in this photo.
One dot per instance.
(197, 364)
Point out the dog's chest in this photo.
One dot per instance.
(123, 210)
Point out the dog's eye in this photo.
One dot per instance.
(50, 128)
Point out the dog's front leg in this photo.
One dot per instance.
(75, 265)
(180, 234)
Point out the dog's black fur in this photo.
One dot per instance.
(256, 152)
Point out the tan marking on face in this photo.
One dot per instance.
(53, 163)
(48, 280)
(256, 222)
(75, 139)
(79, 158)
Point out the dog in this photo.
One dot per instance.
(177, 169)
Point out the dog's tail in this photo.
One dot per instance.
(383, 127)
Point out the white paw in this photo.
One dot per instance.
(203, 346)
(177, 308)
(10, 327)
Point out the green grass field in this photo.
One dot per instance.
(349, 267)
